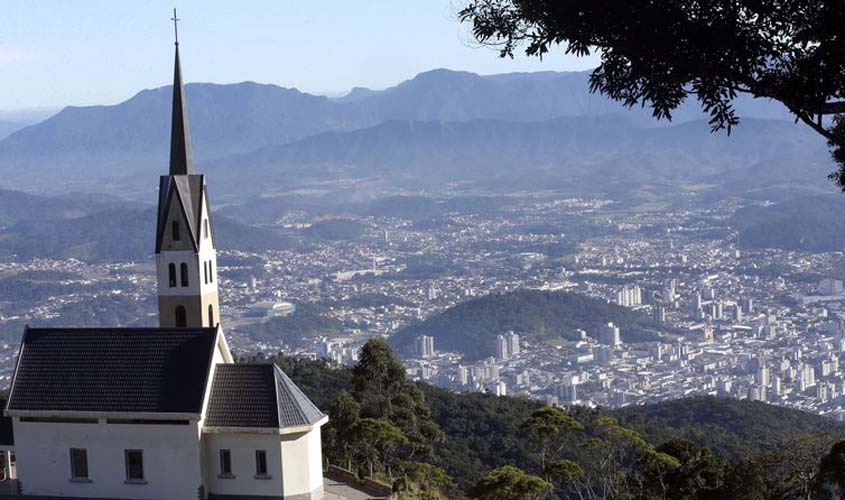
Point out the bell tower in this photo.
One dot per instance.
(186, 262)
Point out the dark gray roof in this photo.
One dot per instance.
(181, 155)
(257, 395)
(149, 370)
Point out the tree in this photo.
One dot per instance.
(340, 433)
(380, 385)
(546, 424)
(509, 483)
(829, 483)
(377, 439)
(660, 52)
(698, 472)
(745, 480)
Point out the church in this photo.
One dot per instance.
(162, 413)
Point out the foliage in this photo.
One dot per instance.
(696, 448)
(829, 482)
(658, 53)
(509, 483)
(471, 327)
(546, 424)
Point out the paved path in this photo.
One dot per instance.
(336, 490)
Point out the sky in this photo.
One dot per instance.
(83, 52)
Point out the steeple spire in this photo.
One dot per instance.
(181, 156)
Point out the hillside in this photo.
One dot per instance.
(807, 224)
(471, 327)
(483, 431)
(570, 153)
(89, 147)
(729, 426)
(119, 235)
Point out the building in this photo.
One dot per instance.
(149, 413)
(425, 346)
(507, 346)
(629, 296)
(609, 335)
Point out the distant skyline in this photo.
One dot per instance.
(58, 53)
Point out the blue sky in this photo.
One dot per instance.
(55, 53)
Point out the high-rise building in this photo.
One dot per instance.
(425, 346)
(747, 304)
(629, 296)
(763, 376)
(501, 347)
(609, 335)
(512, 340)
(658, 314)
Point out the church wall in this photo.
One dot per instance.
(242, 447)
(303, 463)
(172, 458)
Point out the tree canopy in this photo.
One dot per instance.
(660, 52)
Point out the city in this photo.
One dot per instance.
(757, 324)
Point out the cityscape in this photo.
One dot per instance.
(749, 324)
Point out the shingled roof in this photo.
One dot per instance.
(144, 370)
(258, 395)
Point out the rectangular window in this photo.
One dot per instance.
(134, 465)
(225, 463)
(78, 463)
(260, 462)
(210, 273)
(205, 227)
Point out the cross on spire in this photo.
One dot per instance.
(181, 156)
(175, 26)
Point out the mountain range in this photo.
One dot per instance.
(440, 125)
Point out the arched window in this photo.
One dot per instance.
(175, 227)
(205, 228)
(181, 317)
(184, 271)
(171, 271)
(210, 315)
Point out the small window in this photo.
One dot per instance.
(134, 465)
(171, 271)
(78, 463)
(175, 227)
(181, 317)
(184, 271)
(205, 272)
(205, 228)
(225, 463)
(210, 273)
(261, 463)
(210, 315)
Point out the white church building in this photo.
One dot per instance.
(162, 413)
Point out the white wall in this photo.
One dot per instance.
(242, 447)
(302, 462)
(171, 459)
(294, 461)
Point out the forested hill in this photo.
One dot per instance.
(471, 327)
(482, 432)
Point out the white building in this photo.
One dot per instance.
(425, 346)
(162, 413)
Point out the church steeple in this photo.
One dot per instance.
(185, 257)
(181, 155)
